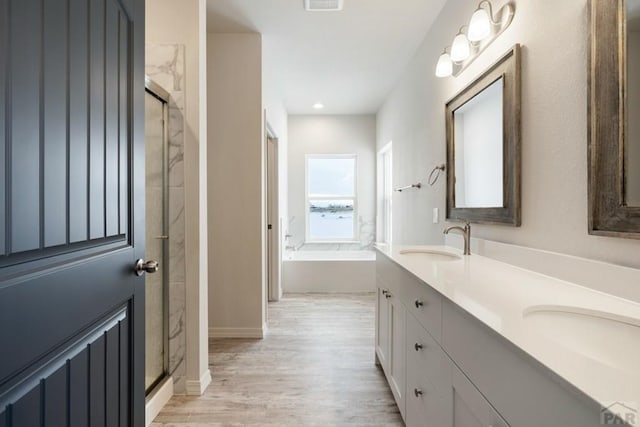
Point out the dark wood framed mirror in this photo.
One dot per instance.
(483, 146)
(614, 118)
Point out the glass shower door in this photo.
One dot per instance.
(156, 316)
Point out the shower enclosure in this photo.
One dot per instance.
(156, 235)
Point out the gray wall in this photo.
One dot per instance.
(341, 134)
(235, 187)
(554, 35)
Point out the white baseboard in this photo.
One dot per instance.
(197, 387)
(157, 399)
(236, 332)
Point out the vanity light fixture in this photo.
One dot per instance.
(481, 23)
(444, 68)
(460, 48)
(484, 27)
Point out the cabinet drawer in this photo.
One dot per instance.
(426, 404)
(428, 397)
(470, 408)
(425, 304)
(425, 357)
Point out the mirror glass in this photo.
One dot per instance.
(478, 145)
(632, 143)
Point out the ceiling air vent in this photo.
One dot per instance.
(323, 5)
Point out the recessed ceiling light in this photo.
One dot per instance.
(318, 105)
(323, 5)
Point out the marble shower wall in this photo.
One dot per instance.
(165, 66)
(367, 235)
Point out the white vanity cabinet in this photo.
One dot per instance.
(521, 389)
(390, 341)
(448, 369)
(438, 393)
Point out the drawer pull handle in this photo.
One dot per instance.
(417, 392)
(419, 304)
(418, 347)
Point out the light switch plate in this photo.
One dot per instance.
(436, 216)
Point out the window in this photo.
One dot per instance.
(331, 198)
(385, 191)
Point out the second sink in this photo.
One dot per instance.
(610, 338)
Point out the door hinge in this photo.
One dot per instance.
(269, 227)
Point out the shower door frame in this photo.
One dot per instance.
(155, 90)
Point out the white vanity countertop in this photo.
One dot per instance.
(596, 347)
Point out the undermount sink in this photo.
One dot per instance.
(606, 337)
(431, 254)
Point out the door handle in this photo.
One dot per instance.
(143, 266)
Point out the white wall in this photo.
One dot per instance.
(325, 134)
(236, 196)
(554, 35)
(184, 22)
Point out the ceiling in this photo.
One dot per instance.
(348, 60)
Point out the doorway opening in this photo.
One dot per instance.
(274, 259)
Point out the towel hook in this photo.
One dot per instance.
(435, 174)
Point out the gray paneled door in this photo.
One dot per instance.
(71, 212)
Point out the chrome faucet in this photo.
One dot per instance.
(466, 233)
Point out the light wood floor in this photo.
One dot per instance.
(315, 367)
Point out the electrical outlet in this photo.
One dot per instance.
(436, 215)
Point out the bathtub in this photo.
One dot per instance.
(329, 271)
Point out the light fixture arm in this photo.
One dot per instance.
(490, 7)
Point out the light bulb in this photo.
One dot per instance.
(460, 48)
(444, 68)
(318, 105)
(479, 26)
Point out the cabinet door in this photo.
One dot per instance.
(382, 328)
(470, 408)
(397, 351)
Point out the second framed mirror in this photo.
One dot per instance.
(483, 146)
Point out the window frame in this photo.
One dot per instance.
(354, 197)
